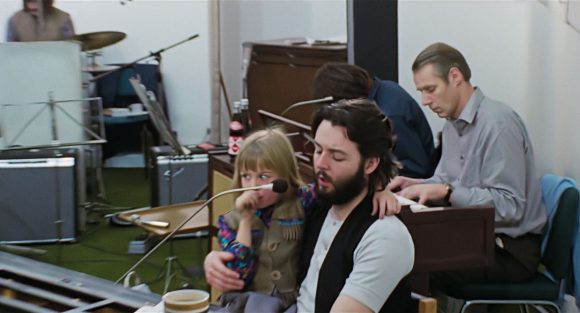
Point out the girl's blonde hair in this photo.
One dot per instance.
(270, 149)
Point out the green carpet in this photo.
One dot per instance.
(101, 250)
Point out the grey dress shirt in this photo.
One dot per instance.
(487, 157)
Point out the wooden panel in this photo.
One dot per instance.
(281, 73)
(221, 205)
(224, 203)
(453, 238)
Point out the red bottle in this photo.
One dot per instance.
(237, 131)
(247, 121)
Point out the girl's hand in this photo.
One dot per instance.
(385, 203)
(247, 203)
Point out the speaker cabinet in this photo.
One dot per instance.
(37, 199)
(177, 178)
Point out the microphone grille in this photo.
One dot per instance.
(279, 186)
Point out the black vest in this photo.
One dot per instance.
(338, 263)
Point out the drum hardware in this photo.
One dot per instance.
(155, 54)
(93, 67)
(97, 40)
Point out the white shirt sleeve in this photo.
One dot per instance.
(382, 258)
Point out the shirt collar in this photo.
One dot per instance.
(469, 111)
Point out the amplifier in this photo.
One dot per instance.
(177, 178)
(37, 198)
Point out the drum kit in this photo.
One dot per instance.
(91, 43)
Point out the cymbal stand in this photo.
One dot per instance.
(157, 56)
(151, 54)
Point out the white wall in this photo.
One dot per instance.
(152, 25)
(521, 52)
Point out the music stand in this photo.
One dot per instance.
(54, 107)
(174, 215)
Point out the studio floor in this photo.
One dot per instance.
(102, 249)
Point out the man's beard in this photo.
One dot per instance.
(344, 190)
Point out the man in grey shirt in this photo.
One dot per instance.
(487, 161)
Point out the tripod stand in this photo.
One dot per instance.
(171, 269)
(174, 216)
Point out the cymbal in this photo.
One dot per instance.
(96, 68)
(97, 40)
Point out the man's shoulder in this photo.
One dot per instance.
(387, 87)
(20, 15)
(387, 228)
(497, 113)
(392, 98)
(60, 13)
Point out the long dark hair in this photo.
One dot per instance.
(369, 129)
(46, 5)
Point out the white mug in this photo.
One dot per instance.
(186, 301)
(136, 107)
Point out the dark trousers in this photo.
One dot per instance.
(516, 261)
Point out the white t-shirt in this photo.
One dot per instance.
(382, 258)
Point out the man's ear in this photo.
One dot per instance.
(371, 164)
(455, 76)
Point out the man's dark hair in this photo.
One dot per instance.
(369, 129)
(47, 5)
(341, 81)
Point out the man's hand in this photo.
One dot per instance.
(424, 192)
(385, 203)
(218, 275)
(402, 182)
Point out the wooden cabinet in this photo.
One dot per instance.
(281, 72)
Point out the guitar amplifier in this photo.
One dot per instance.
(177, 178)
(37, 196)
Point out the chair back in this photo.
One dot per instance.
(558, 254)
(116, 90)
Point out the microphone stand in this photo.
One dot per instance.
(185, 222)
(303, 103)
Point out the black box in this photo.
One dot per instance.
(37, 196)
(177, 178)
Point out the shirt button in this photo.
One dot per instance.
(461, 158)
(273, 246)
(276, 275)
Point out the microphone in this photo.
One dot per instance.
(278, 186)
(302, 103)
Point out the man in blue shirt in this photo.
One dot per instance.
(414, 140)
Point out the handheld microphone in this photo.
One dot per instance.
(302, 103)
(278, 186)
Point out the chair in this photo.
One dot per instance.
(541, 290)
(128, 133)
(116, 90)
